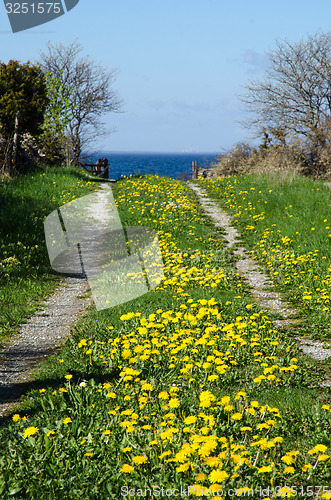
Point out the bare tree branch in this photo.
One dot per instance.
(90, 89)
(296, 93)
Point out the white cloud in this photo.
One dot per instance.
(256, 61)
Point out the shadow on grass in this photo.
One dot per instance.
(23, 198)
(21, 392)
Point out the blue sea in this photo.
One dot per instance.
(172, 165)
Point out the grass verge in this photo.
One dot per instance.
(25, 274)
(189, 388)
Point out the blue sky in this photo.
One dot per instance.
(182, 63)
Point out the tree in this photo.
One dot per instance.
(89, 88)
(294, 99)
(56, 119)
(23, 90)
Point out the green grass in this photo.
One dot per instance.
(287, 227)
(25, 273)
(144, 394)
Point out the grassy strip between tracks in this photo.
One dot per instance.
(188, 390)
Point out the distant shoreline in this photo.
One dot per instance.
(173, 165)
(158, 153)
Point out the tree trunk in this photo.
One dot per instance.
(16, 142)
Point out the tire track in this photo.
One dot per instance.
(259, 282)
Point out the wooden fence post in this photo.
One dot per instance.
(194, 169)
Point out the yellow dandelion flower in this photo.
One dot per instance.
(318, 448)
(147, 387)
(289, 470)
(225, 400)
(228, 408)
(183, 467)
(190, 420)
(288, 459)
(263, 426)
(174, 403)
(237, 416)
(111, 395)
(30, 431)
(265, 468)
(206, 398)
(163, 395)
(139, 459)
(128, 469)
(218, 475)
(168, 434)
(213, 461)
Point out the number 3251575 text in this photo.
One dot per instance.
(33, 8)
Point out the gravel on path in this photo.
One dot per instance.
(259, 282)
(40, 337)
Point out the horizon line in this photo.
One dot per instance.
(160, 152)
